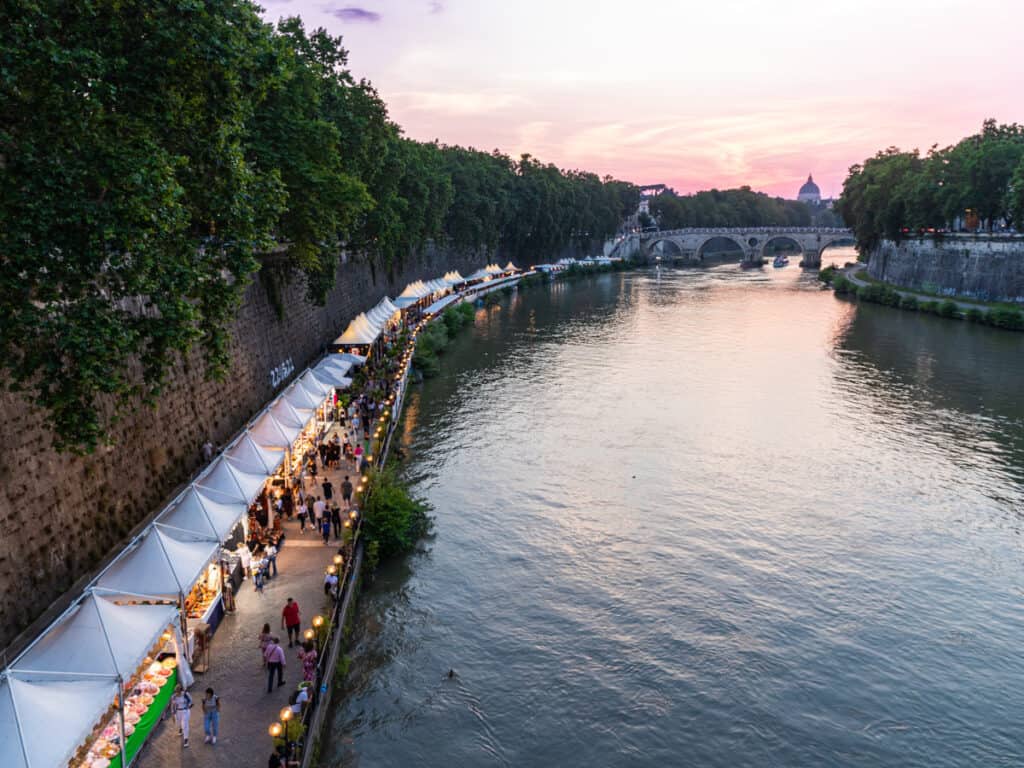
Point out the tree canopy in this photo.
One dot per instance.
(896, 193)
(154, 156)
(728, 208)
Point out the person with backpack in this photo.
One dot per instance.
(211, 716)
(181, 706)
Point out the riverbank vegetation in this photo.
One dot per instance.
(735, 208)
(155, 157)
(895, 194)
(436, 335)
(393, 519)
(877, 292)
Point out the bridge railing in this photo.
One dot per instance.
(749, 231)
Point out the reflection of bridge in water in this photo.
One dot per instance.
(688, 244)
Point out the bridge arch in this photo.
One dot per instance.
(795, 240)
(737, 240)
(666, 246)
(813, 258)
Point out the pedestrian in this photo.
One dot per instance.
(264, 642)
(207, 454)
(291, 620)
(257, 580)
(181, 704)
(318, 511)
(275, 663)
(336, 521)
(275, 760)
(357, 456)
(346, 492)
(271, 560)
(302, 518)
(328, 487)
(308, 658)
(211, 716)
(330, 583)
(245, 558)
(325, 529)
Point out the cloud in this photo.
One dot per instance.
(436, 6)
(354, 14)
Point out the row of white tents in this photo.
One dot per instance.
(367, 327)
(58, 688)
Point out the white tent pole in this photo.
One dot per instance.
(120, 709)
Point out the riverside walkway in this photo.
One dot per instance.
(236, 669)
(854, 275)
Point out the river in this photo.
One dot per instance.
(704, 518)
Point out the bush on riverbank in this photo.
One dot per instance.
(437, 335)
(393, 519)
(875, 293)
(909, 303)
(827, 275)
(842, 286)
(1005, 318)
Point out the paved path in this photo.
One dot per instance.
(853, 275)
(236, 667)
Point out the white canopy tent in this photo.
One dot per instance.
(269, 432)
(413, 292)
(300, 398)
(359, 331)
(159, 563)
(252, 458)
(314, 386)
(96, 636)
(44, 720)
(493, 269)
(226, 482)
(202, 516)
(480, 274)
(510, 267)
(350, 357)
(454, 278)
(63, 684)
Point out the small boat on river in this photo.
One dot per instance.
(782, 260)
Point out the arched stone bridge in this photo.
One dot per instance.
(688, 244)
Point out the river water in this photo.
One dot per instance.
(704, 518)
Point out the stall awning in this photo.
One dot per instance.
(510, 267)
(480, 274)
(268, 431)
(441, 303)
(159, 564)
(254, 459)
(334, 373)
(202, 516)
(350, 357)
(301, 399)
(314, 386)
(359, 331)
(43, 721)
(287, 415)
(97, 637)
(226, 482)
(454, 278)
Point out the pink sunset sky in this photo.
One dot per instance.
(717, 93)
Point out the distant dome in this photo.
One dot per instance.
(809, 192)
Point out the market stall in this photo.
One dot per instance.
(96, 672)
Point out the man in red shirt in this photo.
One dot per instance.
(291, 620)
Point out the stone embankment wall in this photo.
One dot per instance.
(63, 515)
(967, 266)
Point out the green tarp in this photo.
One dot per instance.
(149, 720)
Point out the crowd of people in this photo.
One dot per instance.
(323, 507)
